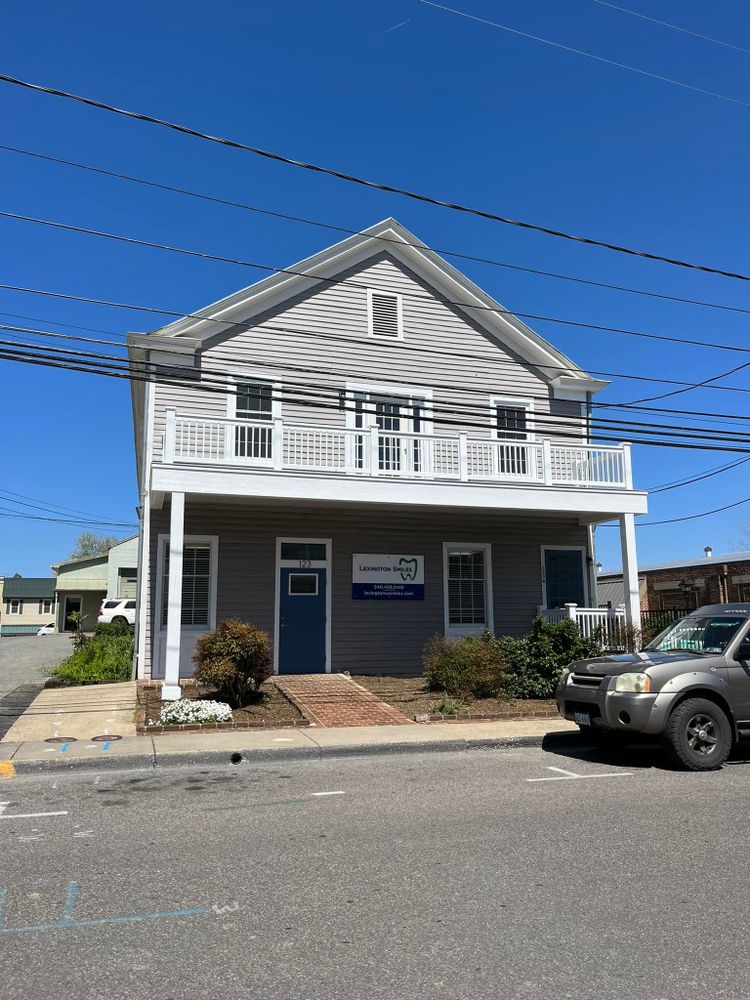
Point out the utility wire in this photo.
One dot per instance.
(583, 52)
(706, 383)
(133, 241)
(674, 27)
(709, 474)
(111, 370)
(693, 517)
(7, 497)
(17, 515)
(208, 375)
(356, 232)
(353, 179)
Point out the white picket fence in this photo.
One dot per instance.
(608, 623)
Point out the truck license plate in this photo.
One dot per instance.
(582, 718)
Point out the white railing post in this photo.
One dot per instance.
(627, 465)
(463, 458)
(277, 444)
(170, 689)
(374, 450)
(170, 436)
(570, 610)
(547, 462)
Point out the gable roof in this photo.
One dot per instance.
(404, 246)
(29, 586)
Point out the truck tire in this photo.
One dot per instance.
(698, 735)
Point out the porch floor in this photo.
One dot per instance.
(333, 700)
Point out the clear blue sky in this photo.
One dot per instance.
(440, 104)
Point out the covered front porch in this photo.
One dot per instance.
(358, 586)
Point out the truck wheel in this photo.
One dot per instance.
(698, 735)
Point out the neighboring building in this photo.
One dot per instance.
(444, 480)
(685, 583)
(28, 603)
(82, 584)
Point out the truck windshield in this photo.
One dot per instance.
(698, 634)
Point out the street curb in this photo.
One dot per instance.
(154, 761)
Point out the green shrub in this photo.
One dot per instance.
(113, 628)
(235, 660)
(535, 661)
(472, 666)
(100, 658)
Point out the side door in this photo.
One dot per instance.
(302, 620)
(738, 664)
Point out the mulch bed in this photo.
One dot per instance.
(274, 712)
(409, 696)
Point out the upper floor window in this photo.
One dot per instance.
(14, 606)
(384, 315)
(511, 419)
(255, 400)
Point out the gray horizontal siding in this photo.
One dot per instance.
(287, 337)
(372, 637)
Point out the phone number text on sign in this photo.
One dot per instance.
(378, 577)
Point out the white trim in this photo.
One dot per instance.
(399, 314)
(489, 610)
(396, 392)
(565, 548)
(213, 542)
(517, 403)
(261, 483)
(327, 565)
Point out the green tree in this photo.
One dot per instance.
(89, 544)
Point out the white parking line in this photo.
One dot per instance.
(4, 815)
(572, 776)
(319, 794)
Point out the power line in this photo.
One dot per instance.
(674, 27)
(206, 373)
(111, 370)
(356, 232)
(693, 517)
(706, 383)
(689, 481)
(353, 179)
(19, 516)
(7, 496)
(588, 55)
(131, 240)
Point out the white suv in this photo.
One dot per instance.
(119, 610)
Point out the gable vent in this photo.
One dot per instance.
(384, 315)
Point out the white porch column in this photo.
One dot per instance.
(170, 690)
(630, 571)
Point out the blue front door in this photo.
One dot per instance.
(302, 621)
(563, 574)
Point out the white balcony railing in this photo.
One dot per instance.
(608, 624)
(276, 444)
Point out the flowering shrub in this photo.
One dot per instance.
(185, 711)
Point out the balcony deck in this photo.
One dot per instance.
(339, 451)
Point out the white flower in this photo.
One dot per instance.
(186, 711)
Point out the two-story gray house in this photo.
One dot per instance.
(358, 453)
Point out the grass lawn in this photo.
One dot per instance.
(271, 710)
(409, 696)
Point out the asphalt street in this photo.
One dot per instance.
(475, 874)
(24, 659)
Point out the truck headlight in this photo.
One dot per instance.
(634, 683)
(564, 676)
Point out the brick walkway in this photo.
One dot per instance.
(330, 700)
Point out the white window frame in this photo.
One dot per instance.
(16, 600)
(399, 315)
(489, 623)
(237, 378)
(213, 542)
(303, 593)
(43, 610)
(398, 392)
(565, 548)
(516, 403)
(302, 565)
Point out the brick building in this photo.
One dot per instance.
(684, 584)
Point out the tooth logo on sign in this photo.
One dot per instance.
(408, 568)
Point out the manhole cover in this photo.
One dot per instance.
(104, 739)
(60, 739)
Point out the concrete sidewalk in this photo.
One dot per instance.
(34, 756)
(78, 712)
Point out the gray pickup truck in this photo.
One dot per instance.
(691, 686)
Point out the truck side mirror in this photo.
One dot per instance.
(742, 653)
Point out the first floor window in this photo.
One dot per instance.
(467, 569)
(14, 606)
(196, 585)
(46, 606)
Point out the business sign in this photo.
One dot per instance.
(387, 578)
